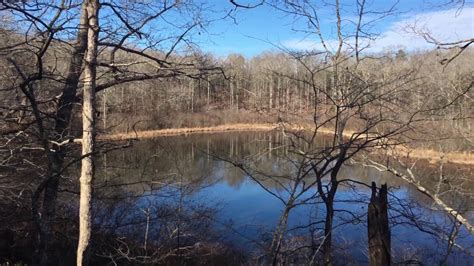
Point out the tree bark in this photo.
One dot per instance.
(327, 244)
(378, 227)
(88, 135)
(62, 120)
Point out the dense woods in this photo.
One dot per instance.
(75, 70)
(275, 83)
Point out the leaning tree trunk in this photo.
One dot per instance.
(88, 135)
(378, 228)
(279, 233)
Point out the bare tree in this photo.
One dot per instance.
(88, 133)
(365, 109)
(54, 123)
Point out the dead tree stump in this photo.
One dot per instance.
(378, 227)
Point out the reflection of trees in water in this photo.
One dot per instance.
(193, 158)
(158, 229)
(157, 184)
(146, 210)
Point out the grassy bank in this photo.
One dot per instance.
(433, 156)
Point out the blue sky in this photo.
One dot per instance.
(256, 29)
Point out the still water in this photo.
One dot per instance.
(188, 179)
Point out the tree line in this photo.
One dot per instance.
(275, 83)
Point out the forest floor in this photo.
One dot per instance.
(433, 156)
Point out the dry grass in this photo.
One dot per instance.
(433, 156)
(188, 130)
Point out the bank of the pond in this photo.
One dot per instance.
(433, 156)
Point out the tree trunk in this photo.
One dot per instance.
(45, 219)
(104, 111)
(270, 88)
(278, 94)
(192, 96)
(231, 95)
(279, 233)
(378, 228)
(66, 101)
(88, 135)
(208, 94)
(329, 202)
(327, 244)
(237, 95)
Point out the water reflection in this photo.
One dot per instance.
(176, 179)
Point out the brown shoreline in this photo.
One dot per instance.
(188, 130)
(466, 158)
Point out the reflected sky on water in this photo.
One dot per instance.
(189, 168)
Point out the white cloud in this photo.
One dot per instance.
(445, 26)
(307, 44)
(301, 44)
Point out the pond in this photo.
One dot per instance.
(184, 189)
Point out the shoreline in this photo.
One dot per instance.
(145, 134)
(465, 158)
